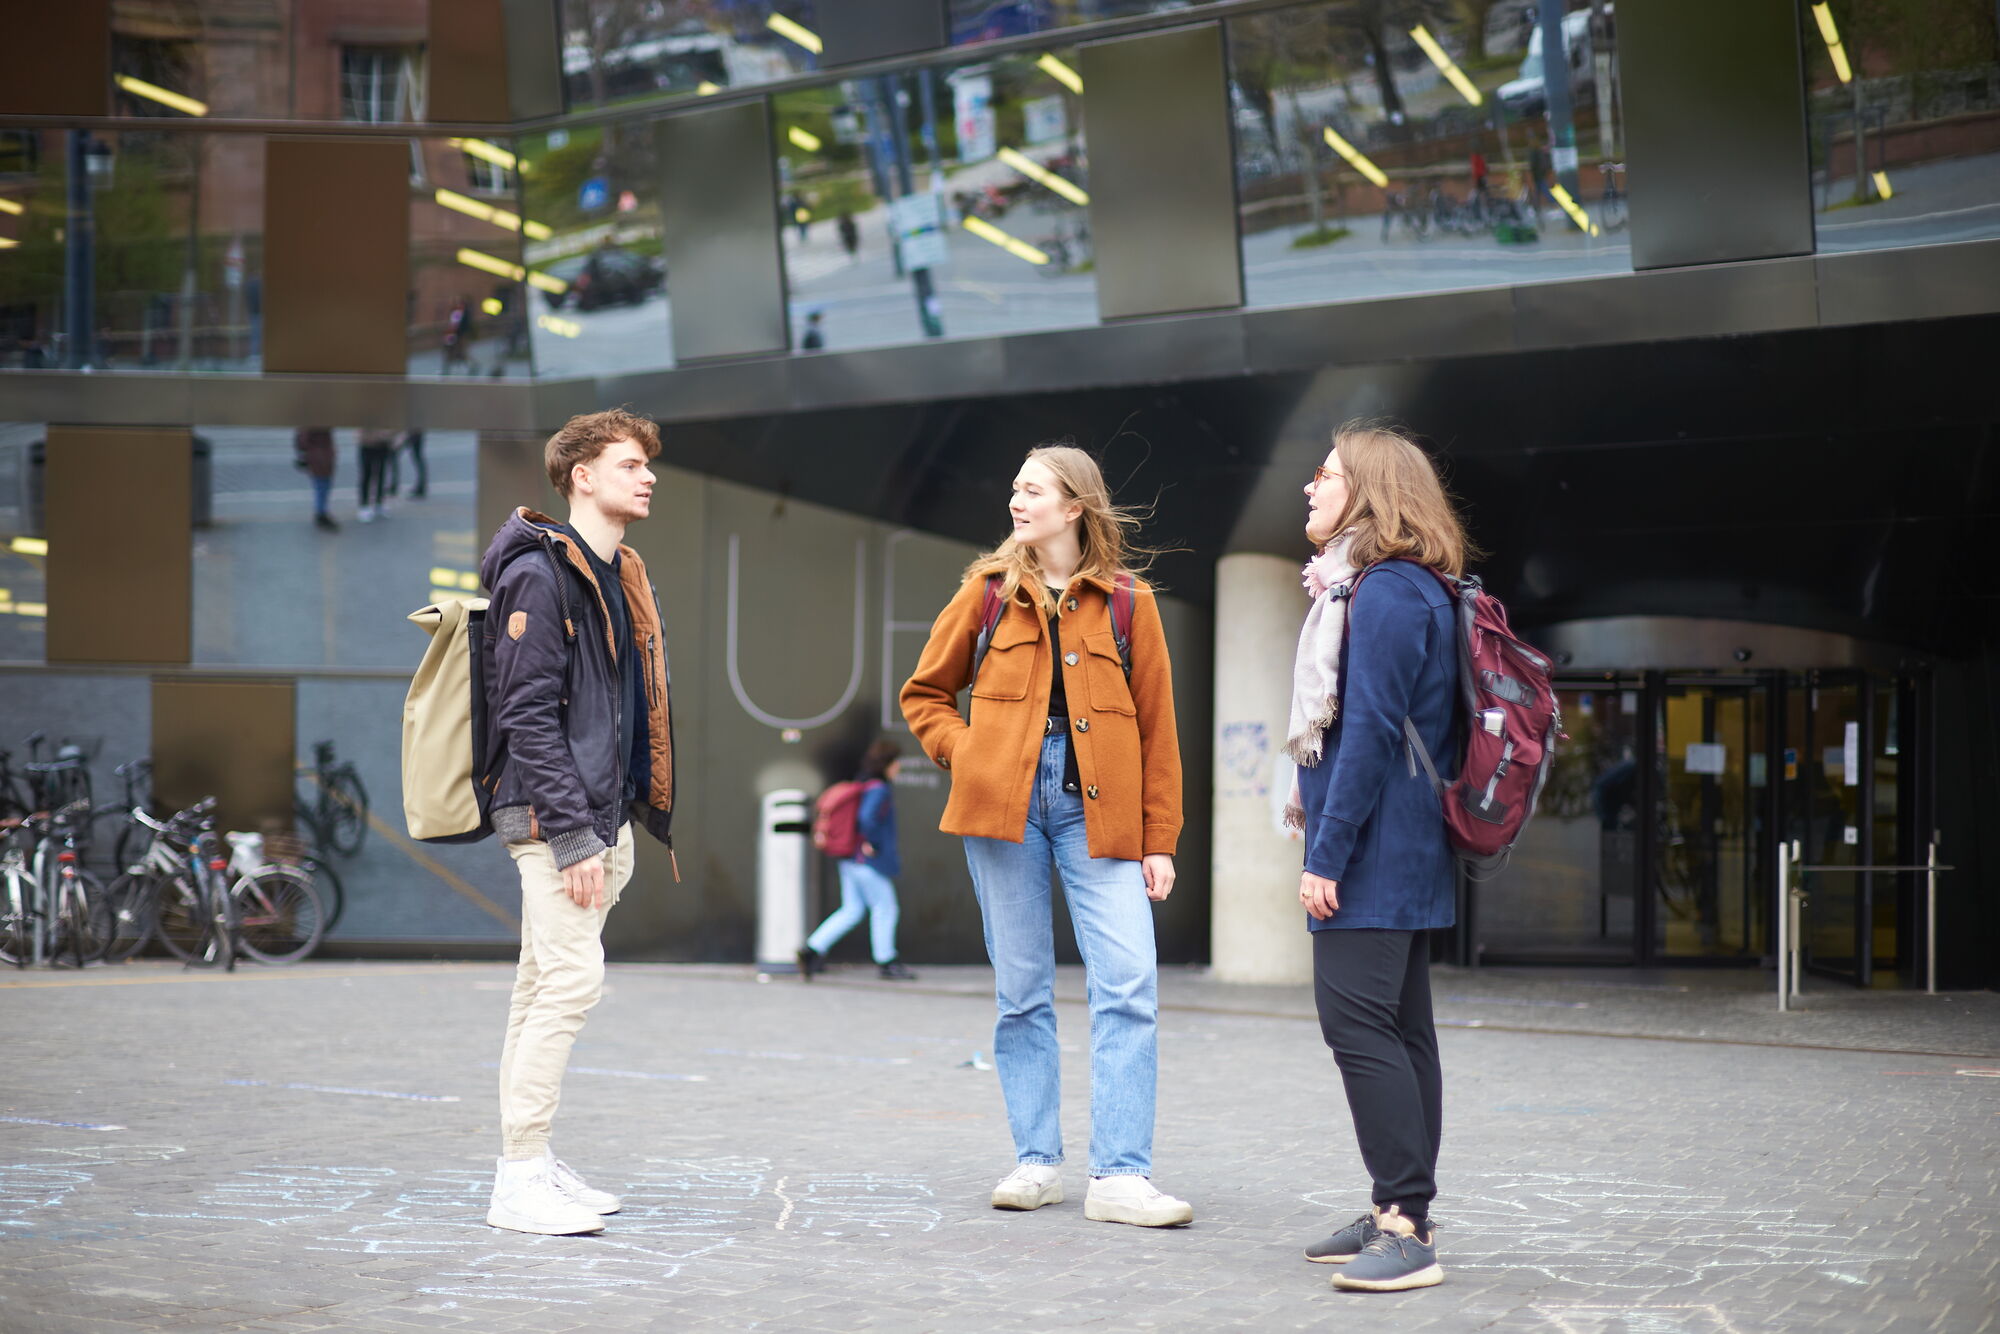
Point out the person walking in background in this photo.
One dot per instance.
(868, 877)
(1041, 629)
(458, 335)
(312, 449)
(1378, 655)
(850, 234)
(413, 441)
(376, 447)
(577, 698)
(815, 335)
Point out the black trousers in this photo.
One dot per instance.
(1374, 994)
(374, 473)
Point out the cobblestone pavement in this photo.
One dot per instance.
(311, 1149)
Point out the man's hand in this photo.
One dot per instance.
(1159, 869)
(1320, 895)
(584, 882)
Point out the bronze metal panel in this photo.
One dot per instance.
(336, 255)
(718, 204)
(1715, 130)
(120, 571)
(510, 474)
(55, 60)
(1162, 177)
(534, 59)
(232, 738)
(467, 55)
(874, 29)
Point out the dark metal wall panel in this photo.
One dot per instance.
(231, 738)
(874, 29)
(467, 59)
(1162, 176)
(1715, 130)
(1675, 303)
(534, 59)
(336, 255)
(718, 204)
(1911, 283)
(55, 60)
(120, 571)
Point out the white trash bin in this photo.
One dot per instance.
(784, 851)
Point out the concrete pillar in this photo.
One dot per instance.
(1257, 928)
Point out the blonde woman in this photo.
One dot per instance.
(1378, 654)
(1068, 761)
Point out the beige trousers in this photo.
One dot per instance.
(560, 976)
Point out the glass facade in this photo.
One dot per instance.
(614, 51)
(470, 297)
(1378, 158)
(24, 605)
(1904, 106)
(934, 204)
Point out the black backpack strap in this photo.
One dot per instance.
(548, 545)
(1123, 595)
(990, 608)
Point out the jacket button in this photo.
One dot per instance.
(1070, 658)
(1091, 791)
(943, 763)
(1083, 724)
(1072, 604)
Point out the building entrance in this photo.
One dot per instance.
(1658, 835)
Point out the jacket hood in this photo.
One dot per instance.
(523, 531)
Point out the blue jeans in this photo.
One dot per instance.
(863, 889)
(322, 492)
(1114, 932)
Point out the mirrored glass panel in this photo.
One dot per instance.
(987, 20)
(469, 294)
(321, 540)
(130, 249)
(596, 301)
(211, 57)
(616, 51)
(932, 204)
(24, 606)
(1386, 149)
(1904, 102)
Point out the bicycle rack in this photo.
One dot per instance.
(1791, 914)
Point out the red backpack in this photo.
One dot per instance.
(1511, 726)
(836, 828)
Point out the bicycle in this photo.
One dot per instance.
(338, 813)
(1398, 208)
(20, 908)
(53, 905)
(207, 908)
(1611, 204)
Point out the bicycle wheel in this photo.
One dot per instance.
(345, 810)
(17, 924)
(82, 925)
(131, 901)
(185, 923)
(326, 883)
(279, 918)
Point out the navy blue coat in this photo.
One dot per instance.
(1373, 822)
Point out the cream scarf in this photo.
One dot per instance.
(1329, 578)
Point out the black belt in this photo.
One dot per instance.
(1055, 726)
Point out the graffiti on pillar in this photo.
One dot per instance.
(1246, 765)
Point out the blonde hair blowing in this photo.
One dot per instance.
(1102, 531)
(1396, 504)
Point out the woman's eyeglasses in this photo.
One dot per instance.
(1323, 474)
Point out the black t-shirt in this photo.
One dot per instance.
(1058, 696)
(629, 672)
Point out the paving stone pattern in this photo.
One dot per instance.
(311, 1149)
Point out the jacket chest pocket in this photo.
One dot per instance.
(1105, 671)
(1009, 663)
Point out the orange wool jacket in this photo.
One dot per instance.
(1128, 754)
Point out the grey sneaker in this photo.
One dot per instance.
(1345, 1244)
(1394, 1260)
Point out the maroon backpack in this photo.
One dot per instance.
(1511, 726)
(836, 825)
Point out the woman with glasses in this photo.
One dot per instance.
(1068, 761)
(1378, 655)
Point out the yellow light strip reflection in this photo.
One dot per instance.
(562, 327)
(30, 546)
(1569, 206)
(1061, 73)
(804, 139)
(1356, 158)
(794, 32)
(1446, 65)
(707, 89)
(492, 305)
(1041, 175)
(1882, 185)
(486, 152)
(543, 282)
(12, 206)
(24, 608)
(6, 244)
(155, 93)
(1831, 35)
(1014, 246)
(499, 217)
(479, 259)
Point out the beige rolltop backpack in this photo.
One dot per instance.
(444, 729)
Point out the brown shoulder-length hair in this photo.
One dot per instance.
(1397, 506)
(1103, 530)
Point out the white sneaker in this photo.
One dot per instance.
(1133, 1200)
(365, 514)
(572, 1185)
(1029, 1186)
(526, 1198)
